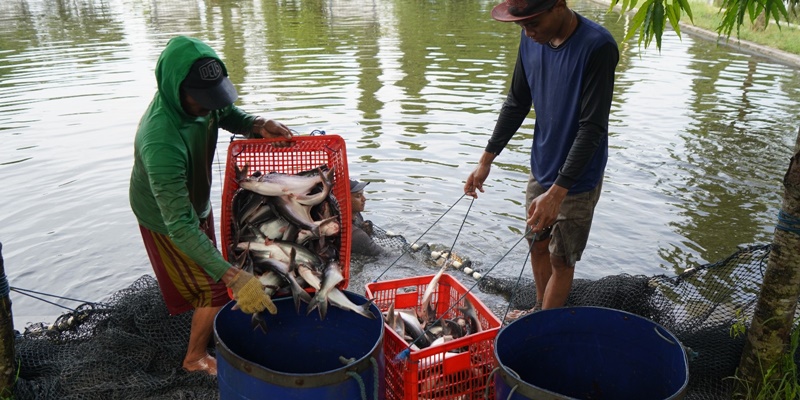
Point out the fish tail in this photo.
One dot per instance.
(318, 303)
(258, 322)
(241, 174)
(323, 309)
(366, 311)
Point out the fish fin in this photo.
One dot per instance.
(241, 174)
(367, 312)
(258, 322)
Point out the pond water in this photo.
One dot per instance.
(700, 134)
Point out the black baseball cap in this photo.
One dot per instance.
(356, 186)
(208, 84)
(518, 10)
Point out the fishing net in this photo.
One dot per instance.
(700, 307)
(126, 348)
(130, 348)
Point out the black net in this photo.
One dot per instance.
(700, 307)
(130, 348)
(387, 239)
(127, 348)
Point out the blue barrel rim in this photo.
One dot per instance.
(512, 379)
(300, 380)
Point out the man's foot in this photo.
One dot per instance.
(514, 315)
(207, 364)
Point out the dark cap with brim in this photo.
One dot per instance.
(356, 186)
(518, 10)
(208, 85)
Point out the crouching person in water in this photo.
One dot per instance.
(170, 190)
(361, 238)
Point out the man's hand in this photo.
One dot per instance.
(367, 227)
(270, 129)
(478, 176)
(544, 209)
(249, 294)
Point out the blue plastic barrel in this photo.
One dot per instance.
(300, 356)
(588, 353)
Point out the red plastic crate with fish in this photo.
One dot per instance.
(306, 153)
(456, 369)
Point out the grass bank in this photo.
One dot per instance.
(785, 38)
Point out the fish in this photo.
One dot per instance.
(280, 250)
(428, 313)
(258, 321)
(279, 184)
(272, 282)
(395, 322)
(471, 316)
(336, 296)
(274, 229)
(286, 271)
(446, 327)
(330, 278)
(414, 328)
(339, 299)
(295, 212)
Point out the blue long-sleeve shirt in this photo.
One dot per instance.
(570, 89)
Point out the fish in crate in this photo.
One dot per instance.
(439, 338)
(286, 230)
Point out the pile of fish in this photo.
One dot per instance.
(422, 328)
(286, 231)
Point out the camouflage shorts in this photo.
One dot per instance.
(569, 234)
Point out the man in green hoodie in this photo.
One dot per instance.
(170, 189)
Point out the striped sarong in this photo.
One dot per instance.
(183, 283)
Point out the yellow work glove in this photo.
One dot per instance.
(249, 294)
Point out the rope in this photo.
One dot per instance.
(519, 278)
(489, 383)
(450, 253)
(360, 382)
(403, 354)
(27, 292)
(407, 248)
(357, 377)
(375, 374)
(788, 223)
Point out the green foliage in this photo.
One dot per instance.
(7, 394)
(739, 327)
(733, 13)
(650, 17)
(779, 382)
(787, 38)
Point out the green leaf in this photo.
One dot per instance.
(625, 5)
(676, 10)
(637, 20)
(673, 15)
(648, 25)
(658, 21)
(754, 9)
(685, 6)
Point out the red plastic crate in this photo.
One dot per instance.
(429, 373)
(305, 153)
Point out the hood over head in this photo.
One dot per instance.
(174, 65)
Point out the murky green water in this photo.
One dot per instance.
(700, 134)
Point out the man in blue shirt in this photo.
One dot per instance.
(565, 72)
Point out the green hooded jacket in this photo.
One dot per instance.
(170, 186)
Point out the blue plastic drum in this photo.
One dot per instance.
(588, 353)
(300, 356)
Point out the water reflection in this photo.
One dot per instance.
(700, 134)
